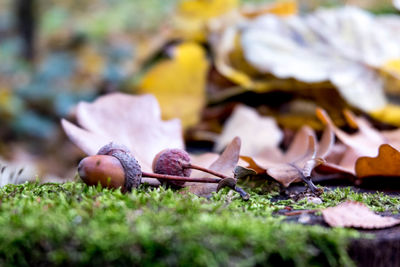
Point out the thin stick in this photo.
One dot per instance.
(299, 212)
(180, 178)
(242, 193)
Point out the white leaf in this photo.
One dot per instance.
(345, 46)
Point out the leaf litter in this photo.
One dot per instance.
(294, 165)
(335, 58)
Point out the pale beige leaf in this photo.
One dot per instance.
(80, 137)
(134, 121)
(228, 160)
(357, 215)
(205, 159)
(326, 143)
(252, 129)
(336, 45)
(303, 155)
(300, 145)
(292, 171)
(284, 173)
(224, 164)
(297, 149)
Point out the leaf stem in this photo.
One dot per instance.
(180, 178)
(196, 167)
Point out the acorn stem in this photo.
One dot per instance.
(180, 178)
(196, 167)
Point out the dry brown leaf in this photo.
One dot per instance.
(365, 142)
(224, 164)
(134, 121)
(356, 214)
(303, 155)
(385, 164)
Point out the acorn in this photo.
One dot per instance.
(172, 162)
(115, 167)
(176, 161)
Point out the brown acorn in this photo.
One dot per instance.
(172, 162)
(106, 170)
(115, 167)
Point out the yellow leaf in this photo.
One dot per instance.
(389, 114)
(179, 83)
(10, 105)
(192, 16)
(282, 8)
(390, 73)
(392, 67)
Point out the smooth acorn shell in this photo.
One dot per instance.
(103, 169)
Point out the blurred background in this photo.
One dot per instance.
(54, 54)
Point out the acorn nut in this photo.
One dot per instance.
(172, 162)
(115, 167)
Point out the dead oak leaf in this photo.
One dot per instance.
(134, 121)
(357, 215)
(365, 142)
(224, 164)
(385, 164)
(303, 155)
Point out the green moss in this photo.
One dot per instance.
(378, 201)
(73, 224)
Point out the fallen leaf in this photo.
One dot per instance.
(336, 45)
(224, 164)
(229, 58)
(252, 129)
(134, 121)
(179, 83)
(389, 114)
(303, 155)
(365, 142)
(356, 214)
(193, 17)
(283, 8)
(392, 67)
(385, 164)
(241, 173)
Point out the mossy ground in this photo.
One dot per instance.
(73, 224)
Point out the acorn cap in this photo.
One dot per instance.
(133, 172)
